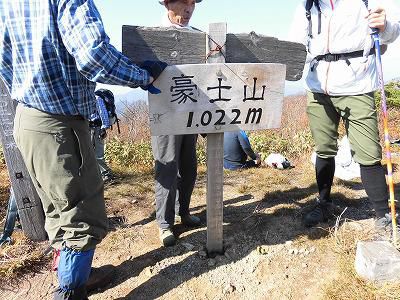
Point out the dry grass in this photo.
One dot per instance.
(349, 285)
(22, 257)
(4, 191)
(134, 122)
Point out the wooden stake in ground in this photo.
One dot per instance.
(30, 209)
(216, 48)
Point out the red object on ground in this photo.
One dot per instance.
(56, 260)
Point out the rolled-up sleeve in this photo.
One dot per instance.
(392, 30)
(82, 32)
(245, 143)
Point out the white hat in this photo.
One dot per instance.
(162, 2)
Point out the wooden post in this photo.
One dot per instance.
(30, 209)
(215, 153)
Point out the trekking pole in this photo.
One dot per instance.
(12, 216)
(378, 59)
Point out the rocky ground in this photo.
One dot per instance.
(269, 254)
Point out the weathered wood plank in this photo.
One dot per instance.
(192, 104)
(174, 46)
(28, 202)
(182, 46)
(215, 155)
(253, 48)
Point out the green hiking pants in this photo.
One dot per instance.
(360, 120)
(59, 156)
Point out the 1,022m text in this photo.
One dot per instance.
(217, 118)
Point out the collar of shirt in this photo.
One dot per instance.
(166, 22)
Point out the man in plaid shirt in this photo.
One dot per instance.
(51, 54)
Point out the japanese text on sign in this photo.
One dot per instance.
(216, 98)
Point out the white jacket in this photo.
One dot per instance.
(344, 29)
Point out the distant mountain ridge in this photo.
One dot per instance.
(397, 79)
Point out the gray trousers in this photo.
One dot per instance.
(175, 175)
(99, 147)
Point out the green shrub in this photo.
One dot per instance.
(138, 155)
(267, 142)
(392, 92)
(129, 154)
(201, 151)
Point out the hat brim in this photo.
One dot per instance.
(162, 2)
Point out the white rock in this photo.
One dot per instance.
(378, 261)
(149, 271)
(228, 289)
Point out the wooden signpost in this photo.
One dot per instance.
(30, 209)
(223, 96)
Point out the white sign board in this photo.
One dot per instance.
(214, 98)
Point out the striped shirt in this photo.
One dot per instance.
(53, 51)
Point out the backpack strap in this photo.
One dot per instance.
(309, 5)
(316, 2)
(336, 57)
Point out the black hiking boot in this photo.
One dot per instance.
(322, 212)
(188, 220)
(384, 228)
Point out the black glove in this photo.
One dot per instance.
(154, 67)
(151, 89)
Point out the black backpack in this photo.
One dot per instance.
(309, 5)
(109, 101)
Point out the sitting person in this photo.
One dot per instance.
(237, 149)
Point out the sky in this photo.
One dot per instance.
(266, 17)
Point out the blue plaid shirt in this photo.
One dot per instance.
(53, 51)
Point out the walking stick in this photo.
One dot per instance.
(378, 59)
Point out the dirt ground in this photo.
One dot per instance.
(269, 254)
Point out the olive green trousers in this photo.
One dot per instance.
(59, 156)
(360, 119)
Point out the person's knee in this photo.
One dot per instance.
(368, 160)
(326, 151)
